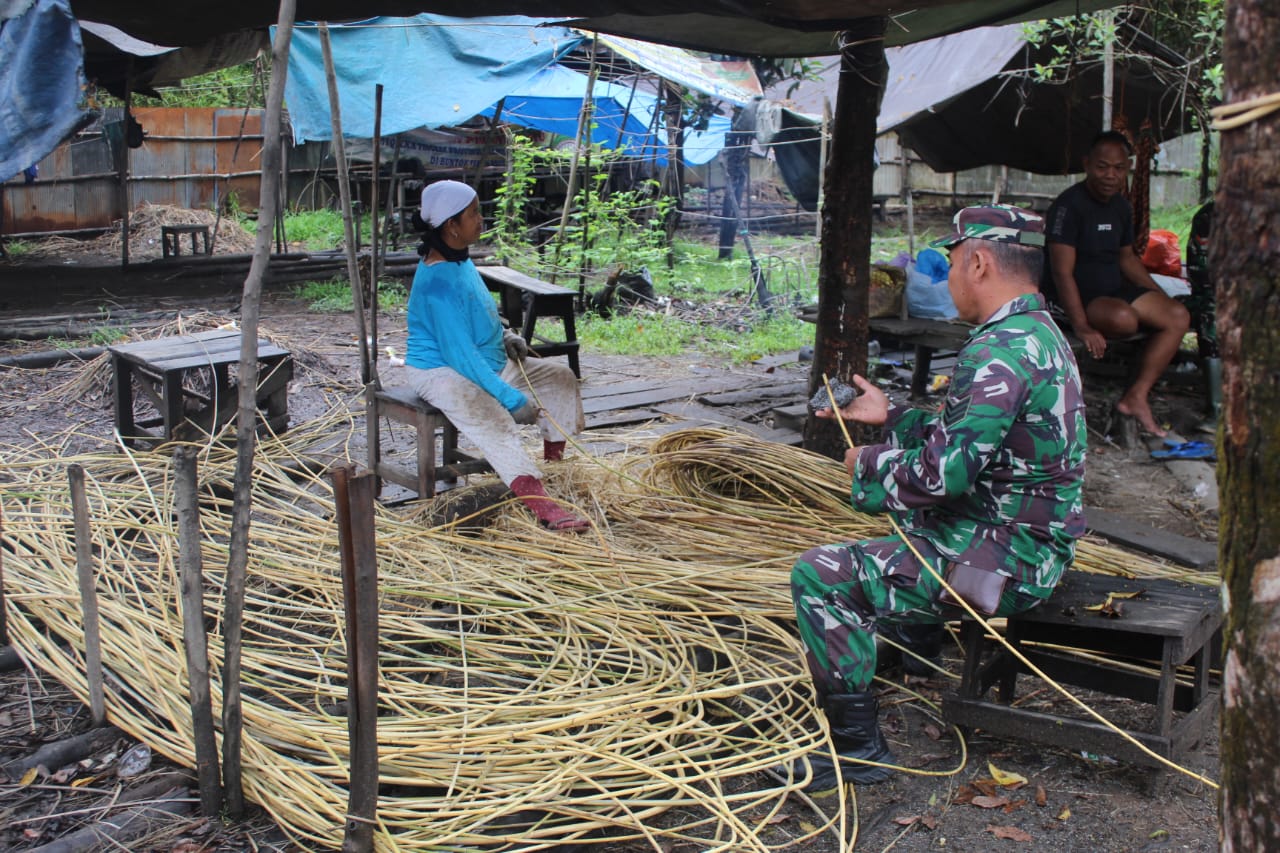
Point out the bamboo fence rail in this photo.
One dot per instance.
(534, 689)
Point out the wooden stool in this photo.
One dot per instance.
(402, 405)
(170, 234)
(1168, 624)
(523, 299)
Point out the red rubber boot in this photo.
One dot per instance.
(550, 514)
(552, 451)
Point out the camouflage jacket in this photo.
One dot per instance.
(993, 481)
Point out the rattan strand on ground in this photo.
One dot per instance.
(534, 689)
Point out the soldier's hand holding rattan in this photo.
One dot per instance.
(871, 406)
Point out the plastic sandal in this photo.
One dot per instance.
(1185, 450)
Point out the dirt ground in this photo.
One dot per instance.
(1070, 802)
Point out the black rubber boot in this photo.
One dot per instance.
(924, 640)
(855, 730)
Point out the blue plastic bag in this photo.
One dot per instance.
(927, 295)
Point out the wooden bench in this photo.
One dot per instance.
(1167, 625)
(524, 299)
(159, 367)
(929, 337)
(402, 405)
(171, 235)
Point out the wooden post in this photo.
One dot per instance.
(196, 643)
(393, 194)
(88, 595)
(344, 195)
(124, 166)
(822, 163)
(844, 268)
(247, 416)
(357, 544)
(373, 234)
(4, 620)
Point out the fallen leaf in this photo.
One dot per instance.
(932, 731)
(1042, 798)
(1005, 778)
(779, 818)
(989, 802)
(1065, 813)
(64, 775)
(1014, 806)
(80, 783)
(987, 786)
(1159, 835)
(930, 821)
(1011, 833)
(186, 845)
(29, 776)
(907, 821)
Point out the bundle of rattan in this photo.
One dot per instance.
(534, 689)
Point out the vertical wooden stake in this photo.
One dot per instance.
(88, 595)
(247, 416)
(344, 196)
(190, 567)
(354, 497)
(374, 214)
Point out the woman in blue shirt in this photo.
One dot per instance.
(461, 360)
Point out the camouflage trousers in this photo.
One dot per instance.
(842, 592)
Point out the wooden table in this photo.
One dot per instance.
(157, 368)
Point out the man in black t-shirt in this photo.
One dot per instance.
(1094, 275)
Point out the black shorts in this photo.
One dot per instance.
(1127, 290)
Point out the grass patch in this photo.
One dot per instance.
(320, 230)
(17, 248)
(334, 296)
(1175, 218)
(654, 333)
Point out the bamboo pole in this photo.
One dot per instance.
(344, 195)
(4, 622)
(88, 595)
(584, 126)
(124, 166)
(354, 499)
(194, 640)
(247, 416)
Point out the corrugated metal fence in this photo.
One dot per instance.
(190, 158)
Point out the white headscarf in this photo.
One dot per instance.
(443, 200)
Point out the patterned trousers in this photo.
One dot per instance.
(842, 592)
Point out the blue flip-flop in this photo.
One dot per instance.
(1185, 450)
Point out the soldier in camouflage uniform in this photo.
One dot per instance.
(991, 485)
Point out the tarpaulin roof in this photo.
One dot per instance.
(969, 99)
(41, 81)
(622, 117)
(435, 71)
(738, 27)
(732, 81)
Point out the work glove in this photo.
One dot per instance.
(517, 349)
(527, 413)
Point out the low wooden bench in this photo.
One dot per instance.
(1165, 626)
(524, 299)
(171, 239)
(403, 406)
(157, 368)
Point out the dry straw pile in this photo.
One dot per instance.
(634, 682)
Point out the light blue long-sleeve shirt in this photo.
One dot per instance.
(453, 322)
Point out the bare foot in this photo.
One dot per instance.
(1142, 411)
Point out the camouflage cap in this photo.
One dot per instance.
(1001, 223)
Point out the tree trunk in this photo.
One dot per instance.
(844, 269)
(1244, 258)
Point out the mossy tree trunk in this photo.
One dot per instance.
(1245, 259)
(844, 269)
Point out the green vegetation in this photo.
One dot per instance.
(17, 248)
(334, 296)
(242, 85)
(1176, 218)
(320, 230)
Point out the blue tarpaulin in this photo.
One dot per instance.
(436, 71)
(552, 99)
(41, 81)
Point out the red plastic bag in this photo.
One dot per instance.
(1163, 255)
